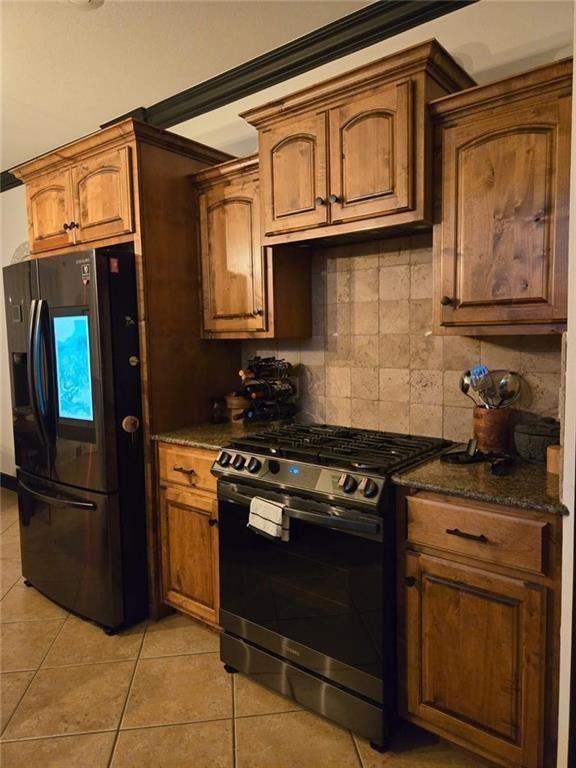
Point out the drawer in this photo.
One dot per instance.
(186, 466)
(493, 536)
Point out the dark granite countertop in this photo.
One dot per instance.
(213, 437)
(529, 487)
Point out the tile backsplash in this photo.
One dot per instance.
(372, 361)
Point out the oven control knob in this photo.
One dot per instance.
(224, 459)
(254, 465)
(347, 483)
(238, 461)
(368, 487)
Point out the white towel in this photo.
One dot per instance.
(268, 517)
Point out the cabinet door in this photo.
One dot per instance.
(233, 290)
(293, 174)
(49, 200)
(371, 154)
(476, 647)
(103, 195)
(502, 243)
(189, 541)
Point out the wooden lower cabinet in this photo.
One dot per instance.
(479, 625)
(188, 528)
(476, 645)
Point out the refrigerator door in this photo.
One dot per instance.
(31, 444)
(71, 335)
(71, 549)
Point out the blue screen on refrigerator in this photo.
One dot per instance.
(73, 374)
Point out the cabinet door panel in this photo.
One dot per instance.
(476, 650)
(49, 202)
(103, 195)
(189, 541)
(371, 165)
(504, 207)
(293, 163)
(234, 297)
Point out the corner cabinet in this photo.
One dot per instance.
(501, 237)
(479, 617)
(353, 153)
(188, 520)
(248, 291)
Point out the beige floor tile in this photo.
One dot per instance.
(25, 603)
(8, 522)
(8, 500)
(415, 748)
(10, 542)
(23, 644)
(176, 635)
(179, 689)
(251, 698)
(293, 740)
(10, 573)
(81, 642)
(72, 700)
(88, 751)
(12, 687)
(196, 745)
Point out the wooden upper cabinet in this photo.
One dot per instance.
(248, 290)
(50, 209)
(102, 191)
(371, 154)
(501, 239)
(353, 153)
(294, 164)
(476, 650)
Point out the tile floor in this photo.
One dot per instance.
(155, 696)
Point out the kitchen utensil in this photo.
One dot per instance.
(482, 384)
(465, 386)
(508, 385)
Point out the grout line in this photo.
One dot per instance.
(283, 712)
(234, 738)
(113, 750)
(56, 636)
(56, 736)
(148, 726)
(357, 748)
(175, 655)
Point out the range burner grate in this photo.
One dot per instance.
(383, 452)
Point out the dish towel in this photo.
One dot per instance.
(268, 518)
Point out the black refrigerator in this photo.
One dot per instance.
(76, 405)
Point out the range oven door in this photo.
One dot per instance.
(316, 601)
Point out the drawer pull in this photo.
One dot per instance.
(463, 535)
(184, 470)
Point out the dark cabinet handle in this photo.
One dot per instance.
(472, 536)
(71, 226)
(334, 199)
(184, 470)
(212, 523)
(446, 301)
(67, 226)
(320, 201)
(410, 581)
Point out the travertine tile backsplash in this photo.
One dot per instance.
(372, 361)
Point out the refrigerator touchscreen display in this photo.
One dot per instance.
(73, 374)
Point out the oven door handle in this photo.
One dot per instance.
(225, 493)
(333, 521)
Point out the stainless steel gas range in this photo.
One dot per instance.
(314, 617)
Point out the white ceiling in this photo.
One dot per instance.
(66, 70)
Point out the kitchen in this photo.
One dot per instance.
(360, 314)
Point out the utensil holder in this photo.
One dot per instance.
(491, 427)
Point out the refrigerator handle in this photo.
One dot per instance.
(47, 398)
(33, 368)
(59, 500)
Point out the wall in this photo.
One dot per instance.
(13, 231)
(372, 360)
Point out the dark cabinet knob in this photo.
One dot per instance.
(258, 312)
(334, 199)
(67, 227)
(212, 522)
(410, 581)
(320, 201)
(446, 301)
